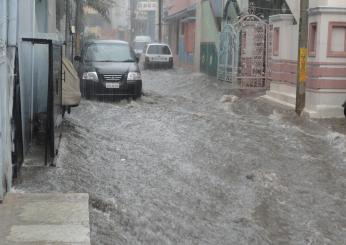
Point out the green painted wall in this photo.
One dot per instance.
(209, 40)
(209, 58)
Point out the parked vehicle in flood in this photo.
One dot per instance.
(109, 68)
(158, 55)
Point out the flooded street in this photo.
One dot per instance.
(192, 162)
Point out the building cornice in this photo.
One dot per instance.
(281, 17)
(327, 10)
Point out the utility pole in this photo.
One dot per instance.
(160, 21)
(302, 56)
(132, 19)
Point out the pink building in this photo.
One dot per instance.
(181, 30)
(326, 85)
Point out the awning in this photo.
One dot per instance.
(187, 12)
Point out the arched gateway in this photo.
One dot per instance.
(244, 50)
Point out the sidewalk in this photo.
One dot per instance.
(28, 219)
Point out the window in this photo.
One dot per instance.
(159, 49)
(276, 41)
(312, 39)
(337, 39)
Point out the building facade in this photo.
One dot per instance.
(147, 19)
(24, 74)
(326, 78)
(193, 31)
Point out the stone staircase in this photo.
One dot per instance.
(28, 219)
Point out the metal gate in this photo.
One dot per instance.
(244, 53)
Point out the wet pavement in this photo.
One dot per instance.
(193, 162)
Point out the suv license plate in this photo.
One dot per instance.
(112, 85)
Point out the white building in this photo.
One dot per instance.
(326, 83)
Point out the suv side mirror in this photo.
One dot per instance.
(78, 58)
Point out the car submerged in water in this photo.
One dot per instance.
(109, 68)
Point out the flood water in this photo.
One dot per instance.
(193, 162)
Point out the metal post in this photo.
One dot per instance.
(160, 20)
(302, 56)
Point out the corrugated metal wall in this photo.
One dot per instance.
(7, 55)
(3, 77)
(26, 28)
(33, 68)
(33, 61)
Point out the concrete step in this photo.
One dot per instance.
(280, 97)
(283, 88)
(28, 219)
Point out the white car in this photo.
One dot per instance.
(158, 55)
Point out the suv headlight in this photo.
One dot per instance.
(90, 76)
(134, 76)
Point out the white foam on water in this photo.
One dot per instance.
(337, 141)
(16, 190)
